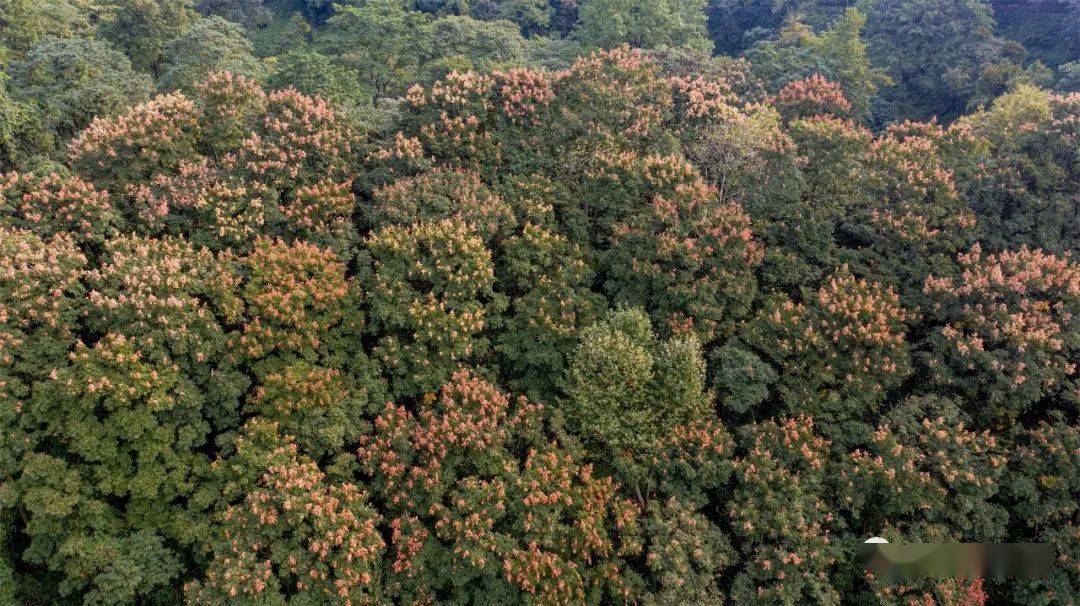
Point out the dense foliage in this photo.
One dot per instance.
(389, 302)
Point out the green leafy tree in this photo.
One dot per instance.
(741, 149)
(1025, 190)
(142, 28)
(641, 410)
(210, 45)
(464, 43)
(26, 23)
(627, 390)
(249, 13)
(18, 124)
(837, 53)
(546, 278)
(1044, 493)
(532, 16)
(932, 50)
(1069, 77)
(282, 36)
(70, 81)
(317, 75)
(381, 40)
(610, 23)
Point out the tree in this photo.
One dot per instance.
(1004, 333)
(778, 510)
(743, 151)
(932, 50)
(546, 278)
(296, 533)
(107, 511)
(1025, 190)
(925, 474)
(627, 391)
(248, 13)
(282, 36)
(20, 130)
(317, 75)
(1043, 488)
(142, 28)
(532, 16)
(836, 355)
(383, 41)
(1069, 78)
(925, 446)
(250, 356)
(27, 23)
(71, 81)
(442, 194)
(210, 45)
(478, 505)
(129, 147)
(675, 251)
(42, 295)
(609, 23)
(686, 556)
(914, 220)
(812, 97)
(838, 54)
(431, 297)
(464, 44)
(55, 205)
(301, 326)
(232, 163)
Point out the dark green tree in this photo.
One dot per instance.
(464, 44)
(838, 54)
(249, 13)
(317, 75)
(70, 81)
(674, 23)
(381, 40)
(1024, 192)
(932, 49)
(209, 45)
(142, 28)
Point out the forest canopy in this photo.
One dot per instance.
(535, 301)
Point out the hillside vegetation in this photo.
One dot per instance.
(532, 302)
